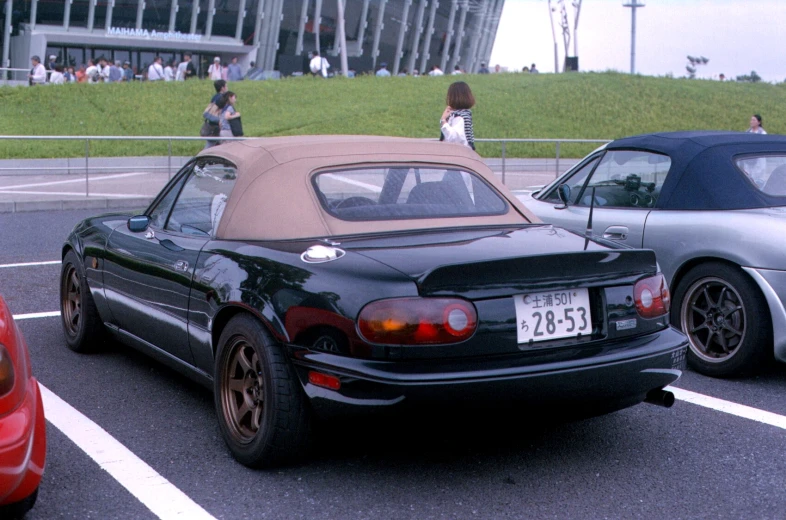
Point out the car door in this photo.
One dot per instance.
(148, 274)
(626, 185)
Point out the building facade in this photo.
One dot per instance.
(276, 34)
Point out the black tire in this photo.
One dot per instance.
(17, 510)
(82, 326)
(726, 319)
(263, 413)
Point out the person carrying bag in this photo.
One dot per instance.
(211, 127)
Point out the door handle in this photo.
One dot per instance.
(616, 233)
(170, 245)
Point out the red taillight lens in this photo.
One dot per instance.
(417, 321)
(652, 296)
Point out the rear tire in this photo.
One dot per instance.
(726, 319)
(82, 326)
(262, 411)
(17, 510)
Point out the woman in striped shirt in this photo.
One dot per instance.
(456, 120)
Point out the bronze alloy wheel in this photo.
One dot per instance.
(714, 317)
(243, 391)
(71, 301)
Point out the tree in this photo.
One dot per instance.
(749, 78)
(694, 62)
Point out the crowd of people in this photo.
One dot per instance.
(102, 70)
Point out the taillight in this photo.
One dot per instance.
(6, 371)
(652, 296)
(417, 321)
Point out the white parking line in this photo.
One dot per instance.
(739, 410)
(34, 315)
(72, 181)
(30, 264)
(159, 495)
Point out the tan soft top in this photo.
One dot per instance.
(273, 198)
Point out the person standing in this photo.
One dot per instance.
(128, 72)
(319, 65)
(756, 127)
(383, 71)
(214, 70)
(115, 72)
(169, 71)
(533, 69)
(436, 71)
(57, 77)
(52, 62)
(234, 72)
(92, 72)
(456, 120)
(155, 72)
(187, 68)
(483, 69)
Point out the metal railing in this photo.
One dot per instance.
(541, 165)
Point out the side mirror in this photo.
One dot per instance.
(563, 192)
(138, 223)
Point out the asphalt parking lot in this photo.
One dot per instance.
(129, 438)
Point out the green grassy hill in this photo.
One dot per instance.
(587, 105)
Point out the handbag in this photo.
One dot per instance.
(209, 129)
(236, 126)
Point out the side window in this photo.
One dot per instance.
(201, 203)
(575, 181)
(767, 172)
(161, 211)
(626, 179)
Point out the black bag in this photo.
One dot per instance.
(236, 126)
(209, 129)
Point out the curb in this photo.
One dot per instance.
(66, 205)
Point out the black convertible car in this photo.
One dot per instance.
(324, 275)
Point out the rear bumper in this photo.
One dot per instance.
(612, 378)
(22, 447)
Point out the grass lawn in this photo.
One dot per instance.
(586, 105)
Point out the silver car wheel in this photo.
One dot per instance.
(714, 317)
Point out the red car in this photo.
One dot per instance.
(22, 424)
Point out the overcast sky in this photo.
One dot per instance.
(736, 35)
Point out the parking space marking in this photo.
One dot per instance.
(72, 181)
(159, 495)
(30, 264)
(739, 410)
(34, 315)
(70, 193)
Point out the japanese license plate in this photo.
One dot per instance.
(543, 316)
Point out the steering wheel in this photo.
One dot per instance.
(352, 202)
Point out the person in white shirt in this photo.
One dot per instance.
(214, 71)
(456, 71)
(57, 77)
(436, 71)
(155, 72)
(456, 121)
(180, 75)
(319, 65)
(37, 74)
(756, 127)
(103, 67)
(383, 71)
(92, 72)
(169, 72)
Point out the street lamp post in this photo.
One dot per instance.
(633, 6)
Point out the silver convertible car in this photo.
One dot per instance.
(713, 207)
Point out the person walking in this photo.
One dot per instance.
(37, 74)
(756, 127)
(227, 106)
(456, 120)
